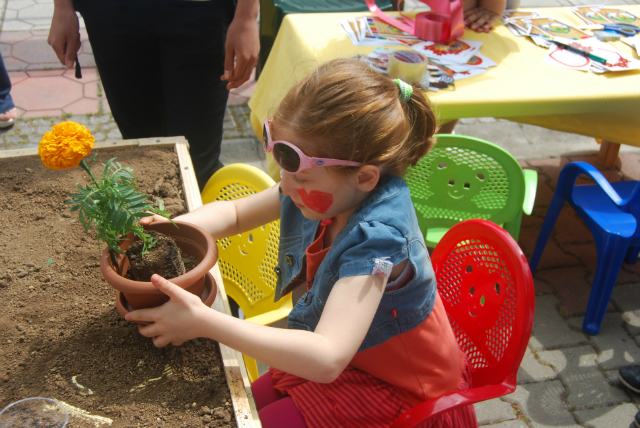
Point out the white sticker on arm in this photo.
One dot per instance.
(382, 267)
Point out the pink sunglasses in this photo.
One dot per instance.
(290, 158)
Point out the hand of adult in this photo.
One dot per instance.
(242, 45)
(479, 19)
(175, 322)
(64, 35)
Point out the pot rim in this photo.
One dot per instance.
(143, 287)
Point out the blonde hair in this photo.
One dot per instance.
(350, 112)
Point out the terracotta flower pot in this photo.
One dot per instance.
(190, 238)
(208, 296)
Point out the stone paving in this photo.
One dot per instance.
(567, 378)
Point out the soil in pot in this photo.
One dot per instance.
(163, 258)
(59, 321)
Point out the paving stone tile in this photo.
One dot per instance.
(504, 134)
(114, 134)
(614, 380)
(89, 74)
(616, 347)
(42, 113)
(44, 10)
(542, 287)
(494, 411)
(46, 93)
(86, 60)
(571, 286)
(241, 148)
(577, 369)
(551, 167)
(607, 417)
(549, 328)
(90, 90)
(17, 76)
(570, 227)
(19, 4)
(16, 25)
(5, 50)
(587, 253)
(630, 166)
(627, 298)
(10, 15)
(44, 73)
(12, 64)
(542, 404)
(532, 371)
(82, 106)
(566, 143)
(552, 255)
(236, 99)
(508, 424)
(11, 37)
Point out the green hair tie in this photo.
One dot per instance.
(405, 90)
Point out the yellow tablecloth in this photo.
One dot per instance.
(521, 88)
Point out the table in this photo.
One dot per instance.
(521, 88)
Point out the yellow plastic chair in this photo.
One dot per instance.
(247, 260)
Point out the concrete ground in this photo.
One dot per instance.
(567, 378)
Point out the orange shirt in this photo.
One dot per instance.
(425, 362)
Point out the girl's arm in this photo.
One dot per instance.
(227, 218)
(318, 356)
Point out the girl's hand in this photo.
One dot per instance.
(175, 322)
(153, 218)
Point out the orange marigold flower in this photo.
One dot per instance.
(65, 145)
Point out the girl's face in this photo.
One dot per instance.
(318, 193)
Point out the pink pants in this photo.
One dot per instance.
(275, 410)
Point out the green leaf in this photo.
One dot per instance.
(142, 214)
(75, 208)
(49, 261)
(160, 202)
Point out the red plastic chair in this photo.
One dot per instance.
(487, 290)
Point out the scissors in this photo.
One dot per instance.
(626, 30)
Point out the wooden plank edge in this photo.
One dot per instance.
(104, 146)
(235, 371)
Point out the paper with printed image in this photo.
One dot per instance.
(590, 15)
(457, 51)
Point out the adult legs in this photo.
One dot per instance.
(128, 61)
(160, 62)
(630, 377)
(192, 63)
(7, 108)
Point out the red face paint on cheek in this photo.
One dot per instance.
(316, 200)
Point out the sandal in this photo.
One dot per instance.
(8, 118)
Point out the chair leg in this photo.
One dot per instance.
(611, 253)
(252, 368)
(545, 231)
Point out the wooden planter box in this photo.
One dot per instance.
(244, 407)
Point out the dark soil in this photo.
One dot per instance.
(163, 258)
(60, 334)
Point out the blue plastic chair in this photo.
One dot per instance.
(612, 213)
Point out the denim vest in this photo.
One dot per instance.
(383, 226)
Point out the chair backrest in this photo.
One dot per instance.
(246, 260)
(462, 178)
(486, 287)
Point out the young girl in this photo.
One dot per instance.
(370, 339)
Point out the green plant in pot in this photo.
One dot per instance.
(111, 206)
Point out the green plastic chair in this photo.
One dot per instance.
(464, 178)
(272, 13)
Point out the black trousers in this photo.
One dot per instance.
(160, 63)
